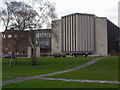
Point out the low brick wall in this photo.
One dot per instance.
(21, 55)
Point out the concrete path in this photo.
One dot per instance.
(68, 70)
(21, 79)
(77, 80)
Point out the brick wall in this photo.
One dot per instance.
(15, 41)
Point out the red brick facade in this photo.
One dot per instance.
(15, 41)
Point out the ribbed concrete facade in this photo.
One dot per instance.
(78, 33)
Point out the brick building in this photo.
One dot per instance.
(15, 41)
(19, 42)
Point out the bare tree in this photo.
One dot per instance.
(34, 15)
(17, 15)
(45, 13)
(5, 16)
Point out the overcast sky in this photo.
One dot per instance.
(101, 8)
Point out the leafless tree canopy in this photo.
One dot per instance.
(22, 15)
(32, 15)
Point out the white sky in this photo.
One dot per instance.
(101, 8)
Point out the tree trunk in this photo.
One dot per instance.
(15, 57)
(34, 61)
(10, 62)
(33, 47)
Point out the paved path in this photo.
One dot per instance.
(72, 69)
(21, 79)
(77, 80)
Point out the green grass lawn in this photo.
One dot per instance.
(105, 69)
(58, 84)
(6, 78)
(0, 78)
(45, 65)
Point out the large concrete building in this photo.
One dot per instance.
(85, 33)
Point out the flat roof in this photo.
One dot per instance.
(79, 14)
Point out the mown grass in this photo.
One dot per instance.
(58, 84)
(7, 78)
(105, 69)
(0, 78)
(44, 65)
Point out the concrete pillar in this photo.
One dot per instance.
(85, 30)
(74, 33)
(29, 52)
(80, 26)
(101, 36)
(66, 42)
(56, 36)
(63, 34)
(92, 34)
(37, 52)
(88, 48)
(71, 33)
(77, 29)
(68, 32)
